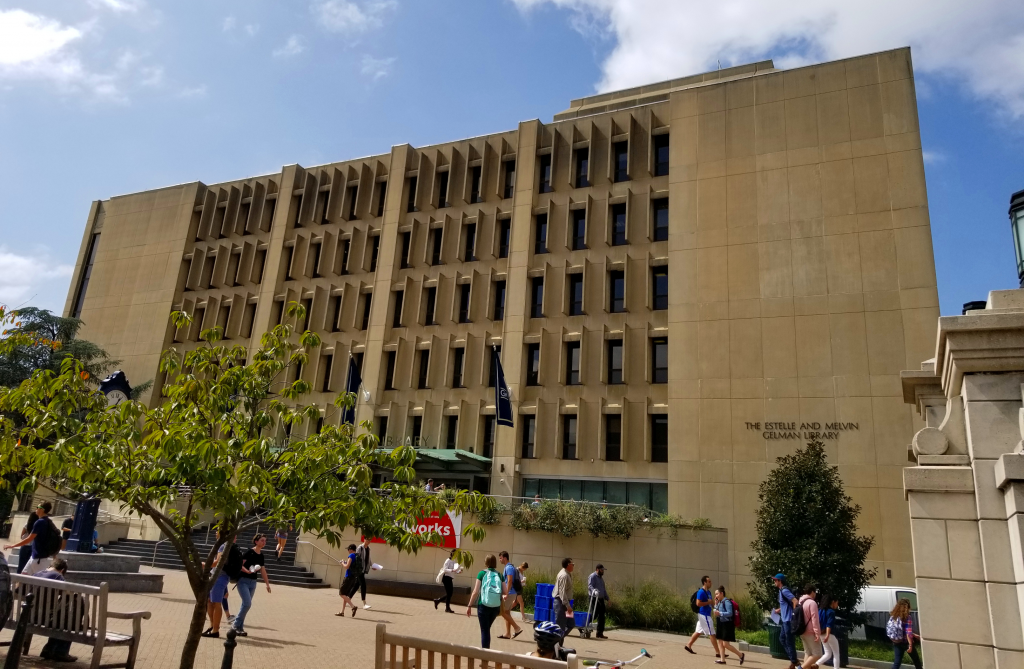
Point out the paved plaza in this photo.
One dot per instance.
(293, 627)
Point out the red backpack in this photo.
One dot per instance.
(737, 619)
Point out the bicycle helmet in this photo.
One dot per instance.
(547, 635)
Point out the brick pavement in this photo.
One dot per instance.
(293, 627)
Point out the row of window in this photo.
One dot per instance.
(444, 199)
(653, 496)
(620, 164)
(616, 293)
(612, 437)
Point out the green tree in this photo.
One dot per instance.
(807, 529)
(218, 436)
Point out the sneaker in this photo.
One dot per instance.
(241, 633)
(231, 618)
(366, 606)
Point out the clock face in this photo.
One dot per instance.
(115, 397)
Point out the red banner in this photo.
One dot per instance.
(449, 526)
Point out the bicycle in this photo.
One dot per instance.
(620, 663)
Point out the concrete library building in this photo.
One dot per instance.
(683, 281)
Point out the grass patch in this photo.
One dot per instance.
(864, 649)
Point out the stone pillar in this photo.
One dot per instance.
(966, 492)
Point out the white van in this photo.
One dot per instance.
(878, 601)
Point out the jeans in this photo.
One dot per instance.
(448, 584)
(362, 586)
(788, 642)
(831, 652)
(562, 619)
(898, 649)
(486, 615)
(246, 589)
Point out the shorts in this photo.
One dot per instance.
(349, 586)
(726, 630)
(812, 646)
(35, 566)
(220, 589)
(509, 601)
(705, 624)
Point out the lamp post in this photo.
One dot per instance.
(1017, 226)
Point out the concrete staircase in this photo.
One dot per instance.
(163, 555)
(120, 572)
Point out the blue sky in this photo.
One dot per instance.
(101, 97)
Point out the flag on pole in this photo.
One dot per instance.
(352, 386)
(502, 395)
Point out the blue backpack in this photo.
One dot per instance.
(490, 589)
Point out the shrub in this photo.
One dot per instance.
(751, 614)
(571, 518)
(651, 605)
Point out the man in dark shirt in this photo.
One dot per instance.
(363, 551)
(37, 538)
(55, 649)
(65, 532)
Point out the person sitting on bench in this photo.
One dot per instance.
(56, 649)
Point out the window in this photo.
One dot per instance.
(261, 262)
(324, 197)
(367, 301)
(617, 292)
(579, 229)
(83, 284)
(464, 291)
(475, 178)
(612, 437)
(487, 449)
(458, 362)
(660, 216)
(328, 364)
(334, 314)
(442, 190)
(529, 436)
(510, 179)
(307, 306)
(382, 429)
(618, 222)
(452, 432)
(620, 161)
(537, 297)
(412, 195)
(661, 155)
(504, 237)
(569, 433)
(572, 363)
(575, 294)
(659, 360)
(396, 318)
(582, 167)
(545, 173)
(424, 369)
(317, 249)
(659, 437)
(499, 300)
(659, 286)
(374, 252)
(353, 191)
(615, 361)
(287, 264)
(417, 430)
(470, 242)
(406, 249)
(428, 315)
(382, 195)
(389, 372)
(492, 374)
(540, 234)
(533, 364)
(346, 245)
(437, 236)
(249, 320)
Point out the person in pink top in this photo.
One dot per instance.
(812, 633)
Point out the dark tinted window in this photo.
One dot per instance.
(545, 173)
(382, 195)
(488, 445)
(367, 302)
(470, 250)
(661, 155)
(615, 361)
(659, 360)
(492, 373)
(464, 303)
(428, 316)
(660, 216)
(452, 432)
(374, 252)
(572, 363)
(659, 438)
(406, 249)
(537, 297)
(437, 237)
(569, 433)
(617, 292)
(412, 194)
(659, 285)
(458, 362)
(504, 237)
(499, 300)
(442, 190)
(579, 229)
(396, 317)
(389, 374)
(575, 294)
(620, 161)
(533, 364)
(540, 234)
(529, 436)
(424, 368)
(510, 179)
(612, 437)
(582, 168)
(618, 223)
(475, 179)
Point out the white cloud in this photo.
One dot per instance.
(933, 157)
(350, 16)
(22, 276)
(376, 68)
(193, 92)
(979, 44)
(229, 23)
(251, 29)
(292, 47)
(118, 5)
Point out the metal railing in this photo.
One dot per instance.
(309, 568)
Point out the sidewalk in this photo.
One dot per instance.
(293, 627)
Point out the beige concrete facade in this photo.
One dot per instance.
(798, 251)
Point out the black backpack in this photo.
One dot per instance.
(53, 540)
(798, 623)
(693, 602)
(517, 583)
(356, 568)
(233, 567)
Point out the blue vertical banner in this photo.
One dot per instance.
(352, 386)
(502, 395)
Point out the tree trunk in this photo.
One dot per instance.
(195, 629)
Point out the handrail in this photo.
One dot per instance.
(314, 547)
(157, 544)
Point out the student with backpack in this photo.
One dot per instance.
(490, 591)
(353, 566)
(219, 591)
(513, 586)
(727, 614)
(900, 630)
(827, 620)
(811, 632)
(45, 540)
(787, 608)
(701, 602)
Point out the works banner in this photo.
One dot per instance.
(448, 525)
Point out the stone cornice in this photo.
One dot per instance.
(981, 341)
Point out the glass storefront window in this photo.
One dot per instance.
(572, 490)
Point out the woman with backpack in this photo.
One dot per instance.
(45, 540)
(811, 633)
(900, 630)
(490, 591)
(350, 585)
(725, 612)
(827, 618)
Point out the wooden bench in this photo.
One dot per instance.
(76, 613)
(406, 652)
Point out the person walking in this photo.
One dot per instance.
(44, 539)
(595, 588)
(786, 604)
(725, 614)
(561, 602)
(510, 576)
(705, 619)
(350, 584)
(827, 621)
(65, 531)
(281, 534)
(489, 591)
(25, 556)
(218, 593)
(520, 602)
(448, 571)
(363, 551)
(812, 632)
(252, 567)
(900, 630)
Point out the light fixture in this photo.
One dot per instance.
(1017, 227)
